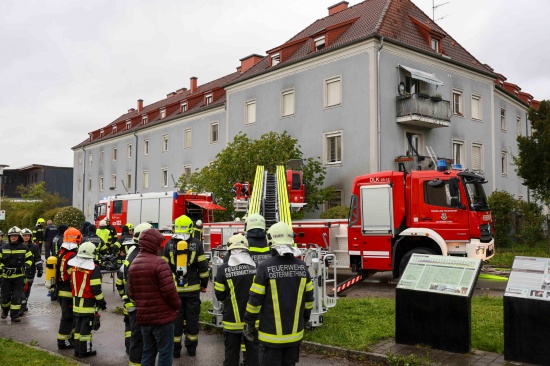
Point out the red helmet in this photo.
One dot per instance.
(72, 235)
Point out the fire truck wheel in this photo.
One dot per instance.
(405, 259)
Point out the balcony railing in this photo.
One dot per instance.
(412, 109)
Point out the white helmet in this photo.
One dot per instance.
(103, 223)
(14, 231)
(26, 231)
(237, 241)
(86, 250)
(254, 221)
(141, 227)
(280, 234)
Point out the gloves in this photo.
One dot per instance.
(249, 331)
(39, 274)
(8, 272)
(101, 304)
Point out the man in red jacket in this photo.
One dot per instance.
(152, 287)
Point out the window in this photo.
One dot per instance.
(275, 59)
(287, 103)
(128, 125)
(101, 133)
(183, 107)
(333, 92)
(129, 151)
(518, 125)
(90, 158)
(145, 182)
(503, 119)
(163, 113)
(477, 156)
(336, 200)
(164, 177)
(89, 184)
(435, 44)
(101, 157)
(333, 148)
(414, 143)
(214, 132)
(458, 151)
(319, 43)
(165, 143)
(476, 107)
(457, 103)
(504, 162)
(187, 170)
(208, 99)
(250, 112)
(114, 128)
(128, 181)
(187, 138)
(144, 120)
(113, 181)
(101, 184)
(438, 195)
(114, 153)
(146, 147)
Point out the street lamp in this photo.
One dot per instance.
(2, 166)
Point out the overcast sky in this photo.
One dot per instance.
(69, 67)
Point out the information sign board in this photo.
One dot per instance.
(440, 274)
(529, 278)
(2, 214)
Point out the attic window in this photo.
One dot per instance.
(435, 44)
(163, 113)
(101, 133)
(319, 43)
(114, 128)
(91, 136)
(184, 107)
(208, 99)
(144, 120)
(275, 59)
(128, 125)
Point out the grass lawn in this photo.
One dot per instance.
(504, 257)
(17, 354)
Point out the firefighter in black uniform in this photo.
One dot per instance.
(49, 233)
(191, 278)
(100, 246)
(15, 259)
(58, 239)
(38, 233)
(71, 240)
(127, 234)
(232, 286)
(282, 297)
(254, 227)
(35, 269)
(133, 340)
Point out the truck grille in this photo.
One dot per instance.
(485, 231)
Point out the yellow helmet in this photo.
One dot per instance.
(280, 234)
(86, 250)
(183, 225)
(237, 241)
(40, 221)
(254, 221)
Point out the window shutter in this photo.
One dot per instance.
(476, 157)
(334, 92)
(288, 104)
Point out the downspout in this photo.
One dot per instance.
(378, 114)
(136, 165)
(83, 178)
(526, 134)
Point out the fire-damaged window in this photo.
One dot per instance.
(437, 194)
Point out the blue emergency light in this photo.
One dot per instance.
(441, 165)
(456, 166)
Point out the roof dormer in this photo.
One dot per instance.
(432, 36)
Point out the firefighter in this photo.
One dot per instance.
(15, 259)
(1, 238)
(196, 233)
(100, 246)
(237, 187)
(232, 285)
(282, 298)
(58, 239)
(87, 297)
(105, 232)
(71, 240)
(254, 227)
(113, 234)
(35, 269)
(190, 269)
(133, 339)
(49, 234)
(127, 234)
(38, 233)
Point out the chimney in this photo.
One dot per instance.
(140, 105)
(342, 5)
(193, 87)
(249, 61)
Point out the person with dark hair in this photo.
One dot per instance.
(49, 234)
(58, 239)
(84, 227)
(92, 237)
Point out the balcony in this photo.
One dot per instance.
(419, 111)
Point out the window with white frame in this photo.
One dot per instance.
(144, 120)
(128, 181)
(333, 147)
(187, 138)
(214, 132)
(208, 99)
(165, 143)
(145, 147)
(101, 184)
(477, 156)
(90, 158)
(164, 177)
(458, 106)
(250, 112)
(183, 107)
(145, 180)
(476, 107)
(458, 151)
(335, 200)
(89, 184)
(101, 133)
(275, 59)
(128, 125)
(187, 170)
(435, 44)
(503, 119)
(114, 153)
(504, 162)
(101, 153)
(114, 128)
(129, 151)
(333, 92)
(319, 43)
(113, 181)
(163, 113)
(287, 103)
(518, 125)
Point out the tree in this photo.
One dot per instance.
(533, 161)
(238, 161)
(70, 216)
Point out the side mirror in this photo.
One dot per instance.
(453, 187)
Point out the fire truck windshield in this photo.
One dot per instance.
(476, 196)
(100, 210)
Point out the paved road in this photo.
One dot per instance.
(41, 322)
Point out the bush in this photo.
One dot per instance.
(502, 207)
(338, 212)
(529, 221)
(71, 216)
(50, 214)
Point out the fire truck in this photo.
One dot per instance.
(158, 208)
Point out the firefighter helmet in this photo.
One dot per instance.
(280, 234)
(86, 250)
(40, 221)
(254, 221)
(26, 231)
(198, 223)
(103, 223)
(72, 235)
(237, 241)
(183, 225)
(129, 226)
(14, 231)
(138, 229)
